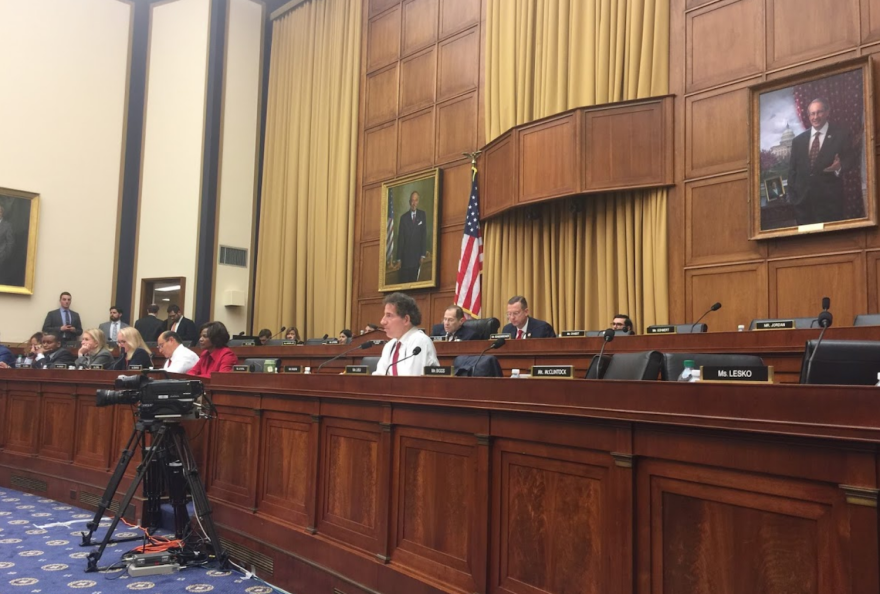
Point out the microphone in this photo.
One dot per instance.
(825, 319)
(495, 345)
(362, 346)
(241, 333)
(325, 337)
(607, 336)
(415, 352)
(283, 328)
(715, 307)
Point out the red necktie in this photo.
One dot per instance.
(814, 148)
(519, 334)
(395, 358)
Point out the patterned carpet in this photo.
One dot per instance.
(40, 553)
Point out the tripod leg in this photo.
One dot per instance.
(95, 555)
(199, 496)
(137, 435)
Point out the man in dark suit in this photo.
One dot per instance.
(184, 327)
(453, 328)
(112, 328)
(63, 322)
(521, 325)
(819, 157)
(412, 241)
(53, 353)
(150, 326)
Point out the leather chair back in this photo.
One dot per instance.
(644, 365)
(483, 328)
(867, 320)
(476, 366)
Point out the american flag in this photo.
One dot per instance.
(468, 293)
(389, 243)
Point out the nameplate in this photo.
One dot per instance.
(573, 333)
(135, 367)
(331, 341)
(736, 373)
(438, 370)
(357, 370)
(25, 366)
(661, 329)
(553, 371)
(293, 369)
(505, 335)
(96, 367)
(59, 366)
(774, 325)
(241, 369)
(289, 343)
(438, 338)
(247, 343)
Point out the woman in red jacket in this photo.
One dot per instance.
(215, 355)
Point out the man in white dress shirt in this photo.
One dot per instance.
(399, 357)
(178, 358)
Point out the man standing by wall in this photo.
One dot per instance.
(112, 328)
(412, 242)
(63, 322)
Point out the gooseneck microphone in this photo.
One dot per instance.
(415, 352)
(283, 328)
(362, 346)
(825, 320)
(715, 307)
(607, 336)
(495, 345)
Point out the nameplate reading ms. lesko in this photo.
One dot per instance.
(438, 370)
(573, 333)
(774, 325)
(553, 371)
(737, 373)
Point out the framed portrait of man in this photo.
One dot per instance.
(812, 166)
(19, 213)
(408, 246)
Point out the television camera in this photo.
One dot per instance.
(156, 399)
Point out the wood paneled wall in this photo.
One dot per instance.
(420, 108)
(718, 49)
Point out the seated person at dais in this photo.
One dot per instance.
(410, 349)
(34, 348)
(215, 355)
(453, 328)
(293, 334)
(132, 350)
(52, 354)
(93, 350)
(369, 328)
(521, 325)
(344, 336)
(178, 358)
(621, 322)
(264, 336)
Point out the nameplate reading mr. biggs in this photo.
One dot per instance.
(293, 369)
(438, 370)
(553, 371)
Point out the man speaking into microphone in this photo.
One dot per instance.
(409, 349)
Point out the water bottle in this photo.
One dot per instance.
(878, 381)
(687, 373)
(514, 373)
(19, 362)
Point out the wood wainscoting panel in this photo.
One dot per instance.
(123, 426)
(873, 280)
(555, 520)
(716, 131)
(350, 489)
(377, 6)
(497, 184)
(626, 147)
(870, 24)
(457, 70)
(456, 15)
(287, 457)
(456, 128)
(57, 423)
(418, 76)
(797, 286)
(383, 40)
(436, 520)
(449, 258)
(371, 213)
(93, 445)
(456, 193)
(724, 42)
(811, 244)
(22, 422)
(440, 300)
(3, 400)
(717, 215)
(416, 142)
(742, 289)
(419, 25)
(369, 265)
(370, 311)
(380, 153)
(795, 35)
(232, 476)
(380, 96)
(548, 158)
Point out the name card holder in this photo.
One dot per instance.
(661, 329)
(59, 366)
(248, 343)
(553, 371)
(241, 369)
(774, 325)
(505, 335)
(441, 370)
(438, 338)
(96, 367)
(749, 374)
(356, 370)
(293, 369)
(573, 333)
(289, 343)
(135, 367)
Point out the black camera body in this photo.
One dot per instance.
(166, 399)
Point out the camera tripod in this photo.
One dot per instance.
(169, 457)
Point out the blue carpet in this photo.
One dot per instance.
(40, 554)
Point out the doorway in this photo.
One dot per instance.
(163, 292)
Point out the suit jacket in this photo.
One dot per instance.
(103, 358)
(105, 328)
(54, 358)
(139, 357)
(811, 185)
(463, 333)
(150, 327)
(7, 240)
(536, 329)
(6, 356)
(186, 328)
(412, 239)
(54, 321)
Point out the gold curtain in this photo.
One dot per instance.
(545, 57)
(304, 259)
